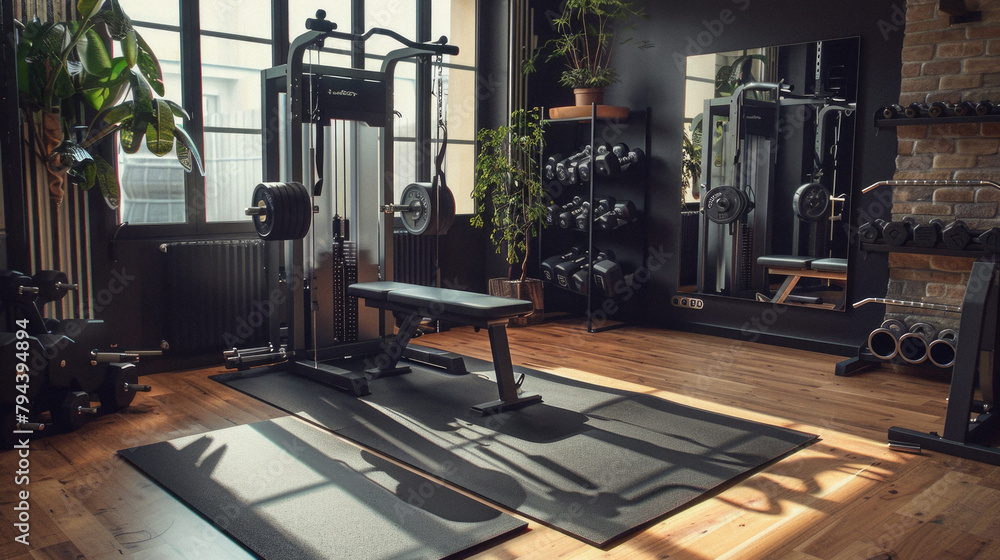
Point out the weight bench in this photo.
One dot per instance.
(795, 268)
(468, 308)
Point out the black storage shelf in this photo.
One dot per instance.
(972, 251)
(881, 122)
(627, 241)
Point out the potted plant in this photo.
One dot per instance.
(508, 187)
(586, 38)
(74, 94)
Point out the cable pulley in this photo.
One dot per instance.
(281, 211)
(425, 208)
(811, 202)
(725, 204)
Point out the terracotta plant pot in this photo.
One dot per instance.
(531, 289)
(588, 96)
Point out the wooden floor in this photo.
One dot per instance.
(845, 497)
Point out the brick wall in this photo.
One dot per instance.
(951, 63)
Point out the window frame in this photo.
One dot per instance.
(190, 33)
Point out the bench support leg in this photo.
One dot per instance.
(504, 368)
(385, 361)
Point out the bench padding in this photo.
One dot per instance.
(433, 302)
(830, 265)
(785, 261)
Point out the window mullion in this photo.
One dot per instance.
(190, 49)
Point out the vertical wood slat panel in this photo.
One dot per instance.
(59, 236)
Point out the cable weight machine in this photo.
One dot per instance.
(349, 110)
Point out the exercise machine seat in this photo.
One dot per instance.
(830, 265)
(377, 291)
(785, 261)
(471, 308)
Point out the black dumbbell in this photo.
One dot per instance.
(565, 169)
(584, 167)
(989, 240)
(568, 219)
(553, 211)
(927, 235)
(565, 270)
(610, 158)
(52, 285)
(898, 233)
(611, 164)
(548, 265)
(984, 108)
(604, 206)
(938, 109)
(965, 109)
(550, 166)
(581, 278)
(914, 110)
(869, 232)
(623, 211)
(892, 111)
(608, 276)
(582, 218)
(956, 235)
(16, 287)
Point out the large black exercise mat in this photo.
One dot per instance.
(591, 461)
(286, 489)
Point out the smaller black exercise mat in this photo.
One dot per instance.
(286, 489)
(592, 461)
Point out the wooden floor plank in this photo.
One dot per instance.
(844, 497)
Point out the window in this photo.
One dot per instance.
(222, 76)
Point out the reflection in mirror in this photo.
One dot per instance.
(768, 158)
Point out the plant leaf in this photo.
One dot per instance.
(87, 8)
(108, 179)
(128, 138)
(160, 131)
(101, 92)
(149, 65)
(93, 54)
(187, 152)
(116, 114)
(130, 48)
(178, 110)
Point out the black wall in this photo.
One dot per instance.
(654, 78)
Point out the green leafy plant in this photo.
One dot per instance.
(508, 182)
(728, 78)
(586, 37)
(74, 94)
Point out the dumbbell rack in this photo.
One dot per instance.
(628, 241)
(969, 422)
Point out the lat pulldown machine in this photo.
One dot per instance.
(363, 346)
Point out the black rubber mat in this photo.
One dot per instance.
(286, 489)
(591, 461)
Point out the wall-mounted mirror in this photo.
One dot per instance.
(767, 172)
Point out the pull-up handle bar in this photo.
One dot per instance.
(327, 28)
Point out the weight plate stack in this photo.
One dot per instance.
(287, 211)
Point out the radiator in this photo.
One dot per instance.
(414, 258)
(216, 295)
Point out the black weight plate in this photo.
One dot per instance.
(112, 394)
(444, 211)
(417, 221)
(262, 197)
(725, 204)
(300, 206)
(281, 214)
(811, 202)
